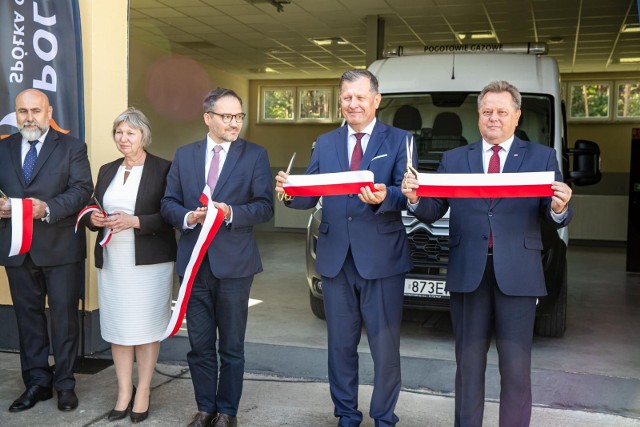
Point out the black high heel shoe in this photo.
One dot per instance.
(137, 417)
(116, 415)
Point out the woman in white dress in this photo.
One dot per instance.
(135, 267)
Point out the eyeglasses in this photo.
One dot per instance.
(226, 118)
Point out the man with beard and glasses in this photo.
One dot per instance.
(239, 176)
(52, 169)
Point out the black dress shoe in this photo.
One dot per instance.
(202, 419)
(137, 417)
(67, 400)
(115, 415)
(30, 397)
(225, 420)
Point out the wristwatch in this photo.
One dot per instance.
(47, 217)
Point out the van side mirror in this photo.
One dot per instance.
(586, 163)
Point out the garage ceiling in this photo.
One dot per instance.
(253, 39)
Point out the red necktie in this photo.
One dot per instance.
(494, 167)
(494, 161)
(356, 156)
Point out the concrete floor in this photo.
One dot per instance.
(595, 366)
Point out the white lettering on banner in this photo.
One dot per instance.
(19, 2)
(49, 79)
(17, 52)
(18, 30)
(48, 21)
(47, 84)
(18, 67)
(46, 35)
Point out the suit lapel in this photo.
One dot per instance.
(235, 149)
(106, 179)
(148, 172)
(342, 146)
(514, 160)
(199, 160)
(476, 164)
(475, 158)
(516, 155)
(378, 135)
(16, 156)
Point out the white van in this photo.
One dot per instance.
(434, 96)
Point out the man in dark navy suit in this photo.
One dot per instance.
(239, 176)
(495, 272)
(52, 169)
(362, 250)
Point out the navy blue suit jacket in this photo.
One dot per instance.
(514, 222)
(245, 183)
(62, 179)
(375, 234)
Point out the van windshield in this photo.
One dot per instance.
(441, 121)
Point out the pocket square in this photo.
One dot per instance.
(379, 157)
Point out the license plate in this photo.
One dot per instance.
(425, 288)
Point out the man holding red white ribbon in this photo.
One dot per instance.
(495, 271)
(49, 171)
(238, 175)
(362, 249)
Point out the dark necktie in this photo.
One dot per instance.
(356, 156)
(494, 167)
(212, 178)
(30, 161)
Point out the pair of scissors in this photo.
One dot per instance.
(410, 169)
(100, 207)
(284, 197)
(5, 198)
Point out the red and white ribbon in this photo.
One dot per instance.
(21, 226)
(329, 184)
(212, 222)
(490, 185)
(94, 208)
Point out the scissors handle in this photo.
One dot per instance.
(410, 170)
(284, 197)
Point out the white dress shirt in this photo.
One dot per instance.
(351, 140)
(207, 165)
(26, 146)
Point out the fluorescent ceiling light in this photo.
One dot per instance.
(262, 70)
(630, 28)
(329, 41)
(476, 35)
(630, 60)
